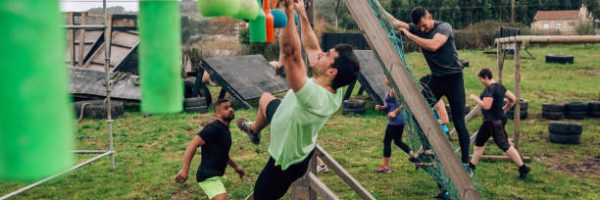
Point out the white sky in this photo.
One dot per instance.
(82, 5)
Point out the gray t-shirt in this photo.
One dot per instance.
(445, 60)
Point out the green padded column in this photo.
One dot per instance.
(258, 27)
(36, 119)
(160, 56)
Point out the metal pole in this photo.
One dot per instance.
(24, 189)
(107, 41)
(90, 151)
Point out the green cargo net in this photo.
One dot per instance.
(416, 137)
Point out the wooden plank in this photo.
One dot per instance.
(349, 90)
(301, 188)
(250, 196)
(343, 174)
(320, 188)
(81, 41)
(503, 158)
(468, 117)
(125, 39)
(371, 75)
(403, 82)
(517, 112)
(550, 39)
(71, 36)
(500, 57)
(249, 75)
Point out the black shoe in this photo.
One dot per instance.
(470, 169)
(425, 158)
(245, 127)
(413, 159)
(442, 195)
(524, 171)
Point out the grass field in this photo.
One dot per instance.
(150, 148)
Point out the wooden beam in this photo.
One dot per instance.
(517, 110)
(343, 174)
(468, 117)
(250, 196)
(301, 188)
(349, 90)
(403, 82)
(503, 158)
(71, 36)
(81, 40)
(320, 188)
(500, 57)
(550, 39)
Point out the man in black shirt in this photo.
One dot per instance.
(492, 105)
(215, 142)
(436, 40)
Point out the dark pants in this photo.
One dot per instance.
(271, 108)
(273, 182)
(496, 130)
(453, 87)
(393, 133)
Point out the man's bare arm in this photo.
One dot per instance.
(289, 45)
(309, 38)
(431, 45)
(190, 151)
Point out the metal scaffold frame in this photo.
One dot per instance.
(109, 121)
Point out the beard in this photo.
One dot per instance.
(229, 118)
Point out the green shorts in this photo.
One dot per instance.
(213, 186)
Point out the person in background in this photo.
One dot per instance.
(493, 109)
(393, 131)
(215, 141)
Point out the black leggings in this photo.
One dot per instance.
(496, 130)
(393, 132)
(453, 87)
(273, 182)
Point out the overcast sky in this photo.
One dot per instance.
(82, 5)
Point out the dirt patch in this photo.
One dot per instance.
(589, 167)
(183, 193)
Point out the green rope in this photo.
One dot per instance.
(416, 137)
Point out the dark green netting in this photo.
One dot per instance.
(416, 137)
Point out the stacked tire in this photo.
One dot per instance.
(553, 111)
(195, 105)
(353, 107)
(96, 109)
(523, 110)
(576, 110)
(562, 132)
(562, 59)
(594, 109)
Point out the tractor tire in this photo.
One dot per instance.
(199, 109)
(96, 109)
(564, 139)
(553, 115)
(561, 59)
(565, 128)
(194, 102)
(353, 111)
(354, 104)
(553, 107)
